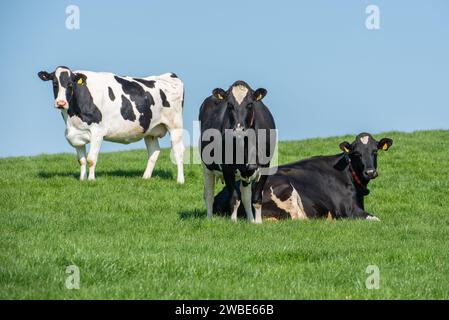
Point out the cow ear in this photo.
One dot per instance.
(45, 76)
(346, 147)
(219, 93)
(80, 78)
(385, 144)
(259, 94)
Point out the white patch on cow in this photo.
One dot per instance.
(293, 205)
(372, 218)
(61, 90)
(239, 92)
(364, 139)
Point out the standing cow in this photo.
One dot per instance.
(324, 186)
(99, 106)
(238, 116)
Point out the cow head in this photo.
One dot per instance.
(363, 154)
(241, 102)
(64, 83)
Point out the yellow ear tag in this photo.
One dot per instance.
(259, 97)
(219, 96)
(346, 149)
(80, 81)
(385, 147)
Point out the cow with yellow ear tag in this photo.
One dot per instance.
(99, 106)
(239, 116)
(331, 187)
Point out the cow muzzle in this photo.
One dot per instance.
(371, 174)
(251, 167)
(61, 104)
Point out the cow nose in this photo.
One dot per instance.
(371, 173)
(60, 103)
(239, 128)
(239, 132)
(251, 167)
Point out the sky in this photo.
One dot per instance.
(326, 73)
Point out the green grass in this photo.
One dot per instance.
(150, 239)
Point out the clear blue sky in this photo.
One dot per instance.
(325, 73)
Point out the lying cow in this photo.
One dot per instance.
(324, 186)
(99, 106)
(240, 116)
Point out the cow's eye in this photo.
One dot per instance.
(249, 105)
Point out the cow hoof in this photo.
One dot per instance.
(180, 181)
(372, 218)
(257, 221)
(234, 219)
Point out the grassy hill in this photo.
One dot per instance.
(149, 239)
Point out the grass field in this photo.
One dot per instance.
(141, 239)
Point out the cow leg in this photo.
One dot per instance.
(209, 188)
(178, 152)
(95, 144)
(235, 204)
(234, 200)
(245, 189)
(81, 155)
(153, 149)
(257, 197)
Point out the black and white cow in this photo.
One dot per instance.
(324, 186)
(99, 106)
(239, 116)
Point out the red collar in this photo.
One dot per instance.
(353, 173)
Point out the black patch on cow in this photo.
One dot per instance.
(183, 95)
(165, 103)
(55, 87)
(173, 75)
(111, 94)
(64, 79)
(147, 83)
(82, 105)
(145, 111)
(127, 109)
(143, 100)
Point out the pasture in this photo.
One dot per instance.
(133, 238)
